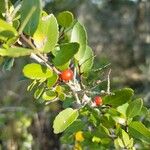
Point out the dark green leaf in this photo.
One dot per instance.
(32, 24)
(119, 97)
(8, 64)
(66, 52)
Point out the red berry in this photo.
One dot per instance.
(66, 75)
(98, 100)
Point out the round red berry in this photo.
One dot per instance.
(66, 75)
(98, 100)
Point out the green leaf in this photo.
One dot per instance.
(46, 35)
(139, 131)
(86, 62)
(64, 66)
(65, 18)
(38, 92)
(32, 24)
(2, 4)
(8, 64)
(7, 31)
(79, 35)
(15, 52)
(119, 97)
(123, 108)
(64, 119)
(52, 80)
(66, 52)
(37, 71)
(134, 108)
(125, 138)
(49, 95)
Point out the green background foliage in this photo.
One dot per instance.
(53, 41)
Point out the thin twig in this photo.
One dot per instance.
(7, 12)
(108, 82)
(15, 11)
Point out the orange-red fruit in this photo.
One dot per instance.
(66, 75)
(98, 100)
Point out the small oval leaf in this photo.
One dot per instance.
(64, 119)
(65, 18)
(37, 71)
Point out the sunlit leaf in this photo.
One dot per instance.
(37, 71)
(64, 119)
(46, 35)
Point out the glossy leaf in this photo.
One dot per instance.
(15, 52)
(86, 62)
(66, 52)
(134, 108)
(79, 35)
(64, 119)
(32, 24)
(46, 35)
(6, 31)
(139, 131)
(65, 18)
(37, 71)
(119, 97)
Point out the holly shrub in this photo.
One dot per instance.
(55, 45)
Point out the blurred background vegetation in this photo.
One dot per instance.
(118, 32)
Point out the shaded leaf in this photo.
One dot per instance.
(66, 52)
(119, 97)
(32, 24)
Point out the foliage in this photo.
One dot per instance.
(60, 43)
